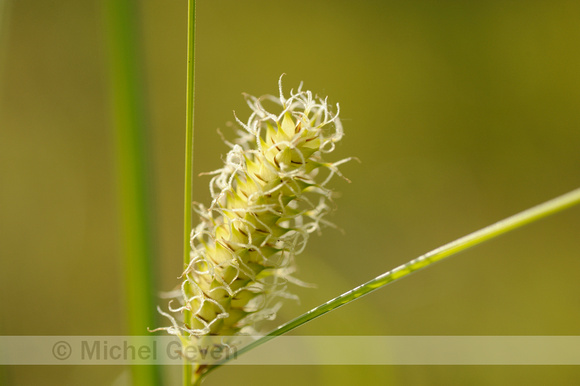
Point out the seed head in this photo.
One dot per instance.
(268, 197)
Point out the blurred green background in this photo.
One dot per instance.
(462, 113)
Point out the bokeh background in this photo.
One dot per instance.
(462, 113)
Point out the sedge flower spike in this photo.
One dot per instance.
(269, 196)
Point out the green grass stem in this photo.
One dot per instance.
(187, 210)
(535, 213)
(133, 173)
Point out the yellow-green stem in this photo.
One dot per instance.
(190, 99)
(133, 173)
(535, 213)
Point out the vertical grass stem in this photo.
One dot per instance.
(133, 173)
(187, 210)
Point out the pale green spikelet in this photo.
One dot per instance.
(269, 196)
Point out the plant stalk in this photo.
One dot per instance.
(133, 173)
(528, 216)
(188, 373)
